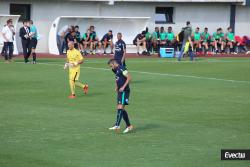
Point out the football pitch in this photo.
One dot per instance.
(183, 113)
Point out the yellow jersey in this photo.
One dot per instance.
(74, 56)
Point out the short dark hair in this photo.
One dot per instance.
(110, 31)
(77, 26)
(188, 22)
(112, 61)
(119, 33)
(206, 28)
(9, 21)
(25, 21)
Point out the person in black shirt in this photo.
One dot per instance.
(107, 39)
(120, 50)
(140, 40)
(71, 37)
(95, 42)
(122, 88)
(78, 35)
(24, 35)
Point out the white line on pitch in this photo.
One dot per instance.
(162, 74)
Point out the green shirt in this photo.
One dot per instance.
(230, 36)
(216, 36)
(148, 36)
(155, 35)
(205, 36)
(170, 36)
(163, 35)
(84, 37)
(33, 30)
(197, 36)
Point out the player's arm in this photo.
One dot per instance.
(124, 53)
(128, 76)
(66, 65)
(80, 59)
(4, 35)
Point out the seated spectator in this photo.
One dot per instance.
(140, 40)
(197, 40)
(230, 40)
(219, 40)
(148, 41)
(156, 40)
(241, 44)
(94, 41)
(71, 36)
(163, 37)
(86, 41)
(171, 41)
(107, 39)
(205, 36)
(78, 36)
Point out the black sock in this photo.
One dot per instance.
(34, 56)
(125, 117)
(119, 117)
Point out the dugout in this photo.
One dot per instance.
(128, 26)
(3, 20)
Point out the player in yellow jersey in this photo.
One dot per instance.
(74, 60)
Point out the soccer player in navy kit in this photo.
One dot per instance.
(120, 50)
(122, 88)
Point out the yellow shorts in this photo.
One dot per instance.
(74, 75)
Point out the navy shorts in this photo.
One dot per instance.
(33, 43)
(123, 97)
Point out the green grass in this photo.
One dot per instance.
(183, 113)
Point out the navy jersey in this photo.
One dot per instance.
(108, 37)
(120, 77)
(93, 35)
(78, 36)
(70, 38)
(120, 47)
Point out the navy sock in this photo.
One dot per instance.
(34, 56)
(125, 117)
(119, 117)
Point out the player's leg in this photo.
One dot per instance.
(79, 84)
(215, 44)
(33, 49)
(144, 46)
(72, 76)
(138, 43)
(91, 46)
(105, 44)
(11, 50)
(5, 47)
(99, 46)
(125, 101)
(119, 113)
(111, 47)
(182, 50)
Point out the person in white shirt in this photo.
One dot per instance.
(60, 38)
(8, 33)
